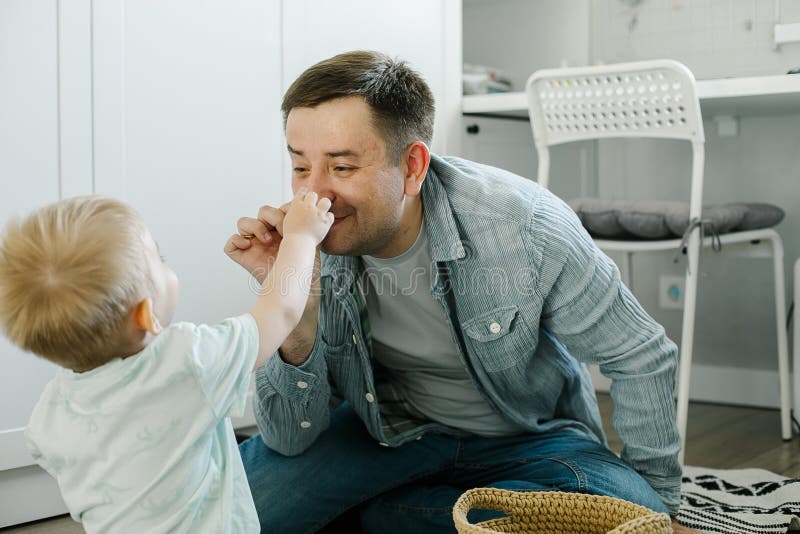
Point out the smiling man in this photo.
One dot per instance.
(457, 304)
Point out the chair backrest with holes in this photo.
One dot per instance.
(655, 98)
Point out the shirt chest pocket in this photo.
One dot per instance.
(498, 338)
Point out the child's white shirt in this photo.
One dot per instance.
(145, 443)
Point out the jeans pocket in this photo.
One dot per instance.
(581, 484)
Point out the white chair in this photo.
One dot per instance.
(652, 99)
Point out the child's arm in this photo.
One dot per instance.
(285, 290)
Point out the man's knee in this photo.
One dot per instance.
(616, 479)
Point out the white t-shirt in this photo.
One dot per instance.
(144, 444)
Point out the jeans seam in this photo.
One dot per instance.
(574, 467)
(418, 510)
(518, 461)
(459, 448)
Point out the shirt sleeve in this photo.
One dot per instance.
(36, 453)
(222, 359)
(599, 321)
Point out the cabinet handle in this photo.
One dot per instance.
(473, 129)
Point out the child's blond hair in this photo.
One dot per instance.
(70, 274)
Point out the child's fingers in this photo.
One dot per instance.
(300, 195)
(324, 204)
(311, 198)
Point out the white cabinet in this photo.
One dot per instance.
(174, 107)
(29, 176)
(188, 131)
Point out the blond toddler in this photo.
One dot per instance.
(135, 427)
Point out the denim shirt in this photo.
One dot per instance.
(529, 299)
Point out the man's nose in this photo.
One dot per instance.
(320, 183)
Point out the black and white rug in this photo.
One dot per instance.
(739, 501)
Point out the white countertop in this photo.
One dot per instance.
(758, 95)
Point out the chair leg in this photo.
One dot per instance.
(627, 275)
(687, 338)
(783, 343)
(796, 350)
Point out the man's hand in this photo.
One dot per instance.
(255, 248)
(256, 245)
(677, 528)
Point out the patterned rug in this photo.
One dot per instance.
(739, 501)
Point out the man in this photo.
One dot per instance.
(457, 304)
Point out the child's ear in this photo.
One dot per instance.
(145, 317)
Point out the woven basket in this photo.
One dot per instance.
(556, 512)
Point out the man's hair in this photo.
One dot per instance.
(401, 102)
(70, 273)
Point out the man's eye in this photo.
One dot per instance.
(342, 169)
(299, 169)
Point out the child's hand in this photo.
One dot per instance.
(308, 216)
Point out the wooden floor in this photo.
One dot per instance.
(723, 437)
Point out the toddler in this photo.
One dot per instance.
(135, 426)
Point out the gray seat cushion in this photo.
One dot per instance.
(760, 215)
(724, 217)
(622, 219)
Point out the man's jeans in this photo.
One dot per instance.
(413, 488)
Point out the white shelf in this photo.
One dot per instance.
(761, 95)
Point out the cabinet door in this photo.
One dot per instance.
(29, 177)
(187, 129)
(426, 33)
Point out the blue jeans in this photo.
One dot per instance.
(413, 488)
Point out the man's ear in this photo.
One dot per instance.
(145, 318)
(417, 158)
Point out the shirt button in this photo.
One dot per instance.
(370, 397)
(495, 328)
(305, 424)
(302, 385)
(355, 340)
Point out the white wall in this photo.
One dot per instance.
(714, 38)
(519, 37)
(425, 33)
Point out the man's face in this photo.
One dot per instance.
(337, 152)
